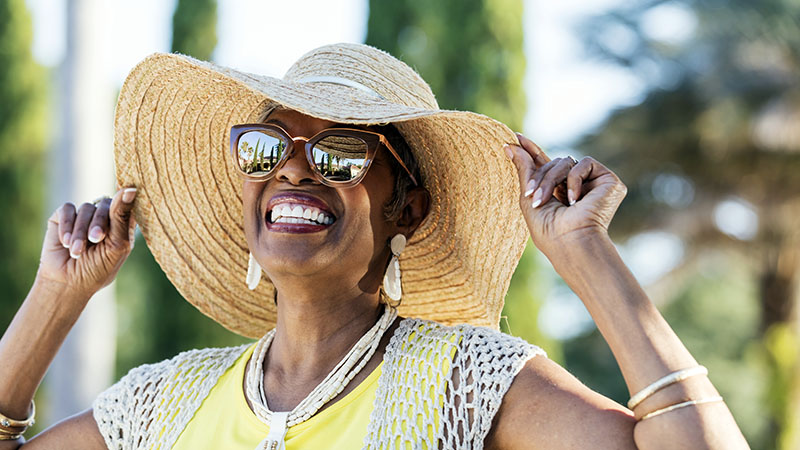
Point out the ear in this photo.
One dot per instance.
(415, 210)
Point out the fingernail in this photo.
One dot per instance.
(537, 198)
(128, 195)
(571, 197)
(529, 191)
(95, 234)
(509, 152)
(67, 237)
(76, 249)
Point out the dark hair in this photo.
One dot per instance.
(402, 182)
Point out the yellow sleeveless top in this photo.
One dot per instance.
(225, 421)
(185, 402)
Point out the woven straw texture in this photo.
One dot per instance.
(172, 126)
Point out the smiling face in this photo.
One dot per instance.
(297, 227)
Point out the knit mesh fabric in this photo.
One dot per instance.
(152, 404)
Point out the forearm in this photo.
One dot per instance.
(645, 347)
(30, 343)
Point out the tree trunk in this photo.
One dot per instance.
(82, 171)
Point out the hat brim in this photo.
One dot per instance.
(172, 125)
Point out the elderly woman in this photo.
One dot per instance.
(360, 199)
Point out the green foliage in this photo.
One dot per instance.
(155, 321)
(23, 136)
(528, 285)
(719, 122)
(469, 51)
(471, 54)
(194, 28)
(716, 316)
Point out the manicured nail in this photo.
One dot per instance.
(537, 198)
(529, 190)
(128, 195)
(509, 151)
(95, 234)
(67, 237)
(571, 197)
(76, 249)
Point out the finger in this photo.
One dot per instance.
(578, 176)
(120, 217)
(524, 164)
(65, 219)
(98, 228)
(536, 152)
(535, 182)
(80, 230)
(556, 174)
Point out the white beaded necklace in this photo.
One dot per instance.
(333, 384)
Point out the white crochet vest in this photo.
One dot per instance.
(152, 404)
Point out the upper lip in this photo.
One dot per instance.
(298, 198)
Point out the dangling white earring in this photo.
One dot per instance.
(253, 273)
(391, 281)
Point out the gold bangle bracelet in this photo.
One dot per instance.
(9, 437)
(12, 430)
(661, 383)
(25, 423)
(658, 412)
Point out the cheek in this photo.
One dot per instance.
(251, 193)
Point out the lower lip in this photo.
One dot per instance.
(295, 227)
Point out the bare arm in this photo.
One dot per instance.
(576, 241)
(63, 286)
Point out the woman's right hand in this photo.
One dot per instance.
(84, 249)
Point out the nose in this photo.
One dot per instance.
(296, 169)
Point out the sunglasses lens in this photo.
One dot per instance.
(340, 158)
(259, 151)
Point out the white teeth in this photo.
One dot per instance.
(293, 213)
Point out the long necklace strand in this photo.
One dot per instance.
(333, 384)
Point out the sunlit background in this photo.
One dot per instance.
(696, 104)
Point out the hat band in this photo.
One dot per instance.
(341, 81)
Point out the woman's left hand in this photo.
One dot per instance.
(559, 214)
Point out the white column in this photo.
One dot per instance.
(82, 170)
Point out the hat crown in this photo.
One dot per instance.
(362, 64)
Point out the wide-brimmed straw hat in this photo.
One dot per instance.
(172, 126)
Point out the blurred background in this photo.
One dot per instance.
(695, 104)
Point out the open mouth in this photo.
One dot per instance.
(293, 213)
(297, 212)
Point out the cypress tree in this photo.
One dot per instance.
(471, 53)
(23, 136)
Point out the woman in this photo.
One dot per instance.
(346, 162)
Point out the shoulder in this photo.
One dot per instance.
(129, 409)
(484, 345)
(550, 405)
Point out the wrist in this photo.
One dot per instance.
(57, 295)
(578, 249)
